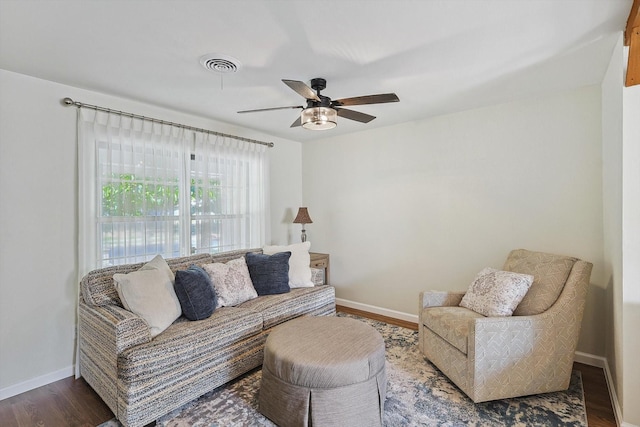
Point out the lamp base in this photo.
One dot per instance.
(303, 236)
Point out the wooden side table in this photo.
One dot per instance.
(321, 261)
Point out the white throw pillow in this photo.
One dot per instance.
(299, 269)
(496, 293)
(158, 263)
(149, 293)
(231, 281)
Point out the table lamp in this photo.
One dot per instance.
(303, 218)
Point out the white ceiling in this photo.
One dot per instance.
(438, 56)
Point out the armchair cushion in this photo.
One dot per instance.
(550, 272)
(496, 293)
(450, 323)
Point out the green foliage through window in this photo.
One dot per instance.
(126, 195)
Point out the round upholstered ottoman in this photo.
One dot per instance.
(323, 371)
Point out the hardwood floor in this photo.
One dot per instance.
(64, 403)
(73, 403)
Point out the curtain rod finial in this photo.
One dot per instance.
(68, 101)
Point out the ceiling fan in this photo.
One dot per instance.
(321, 112)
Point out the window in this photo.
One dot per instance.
(148, 188)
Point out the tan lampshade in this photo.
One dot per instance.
(302, 217)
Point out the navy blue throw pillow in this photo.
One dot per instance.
(269, 273)
(195, 293)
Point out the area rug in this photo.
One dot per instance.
(418, 394)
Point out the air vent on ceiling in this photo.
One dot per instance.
(219, 63)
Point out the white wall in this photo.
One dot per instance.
(38, 221)
(621, 213)
(612, 85)
(631, 254)
(427, 204)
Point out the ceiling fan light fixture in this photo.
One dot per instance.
(319, 118)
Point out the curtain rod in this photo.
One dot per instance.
(68, 102)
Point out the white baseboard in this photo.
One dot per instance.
(617, 410)
(590, 359)
(602, 362)
(33, 383)
(378, 310)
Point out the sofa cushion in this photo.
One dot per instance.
(299, 269)
(496, 293)
(195, 293)
(231, 281)
(269, 273)
(186, 342)
(149, 293)
(276, 309)
(450, 323)
(550, 273)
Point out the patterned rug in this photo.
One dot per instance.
(418, 394)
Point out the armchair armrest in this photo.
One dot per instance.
(440, 298)
(553, 333)
(435, 299)
(524, 354)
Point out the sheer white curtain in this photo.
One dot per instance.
(148, 188)
(230, 182)
(132, 174)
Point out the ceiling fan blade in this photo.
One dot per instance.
(354, 115)
(297, 123)
(271, 109)
(367, 99)
(302, 89)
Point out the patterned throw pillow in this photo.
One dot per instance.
(231, 282)
(496, 293)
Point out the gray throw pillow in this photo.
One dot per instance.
(269, 273)
(195, 293)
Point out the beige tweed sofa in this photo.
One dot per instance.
(141, 378)
(531, 352)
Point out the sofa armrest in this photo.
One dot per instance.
(111, 327)
(105, 332)
(440, 298)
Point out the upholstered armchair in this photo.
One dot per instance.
(530, 352)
